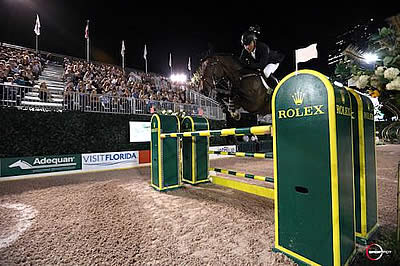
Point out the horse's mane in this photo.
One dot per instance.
(234, 57)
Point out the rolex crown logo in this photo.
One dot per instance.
(298, 98)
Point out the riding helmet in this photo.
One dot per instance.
(247, 37)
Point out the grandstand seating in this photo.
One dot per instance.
(106, 88)
(51, 75)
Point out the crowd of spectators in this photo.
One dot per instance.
(103, 79)
(19, 67)
(19, 70)
(23, 67)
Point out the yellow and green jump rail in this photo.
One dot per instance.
(243, 154)
(242, 174)
(257, 130)
(242, 186)
(323, 198)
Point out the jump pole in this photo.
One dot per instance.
(243, 154)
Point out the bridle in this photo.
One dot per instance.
(221, 84)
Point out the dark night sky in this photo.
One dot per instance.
(184, 32)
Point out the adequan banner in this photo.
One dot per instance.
(109, 160)
(39, 164)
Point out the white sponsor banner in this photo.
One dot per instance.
(109, 160)
(229, 148)
(139, 131)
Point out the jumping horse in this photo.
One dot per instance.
(227, 80)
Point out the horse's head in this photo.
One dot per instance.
(219, 69)
(212, 70)
(222, 78)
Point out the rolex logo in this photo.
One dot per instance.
(298, 97)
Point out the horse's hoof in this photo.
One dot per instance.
(236, 115)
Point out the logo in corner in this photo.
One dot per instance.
(375, 252)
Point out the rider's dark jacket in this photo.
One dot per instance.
(264, 56)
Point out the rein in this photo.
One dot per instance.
(221, 84)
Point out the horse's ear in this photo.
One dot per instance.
(203, 56)
(207, 53)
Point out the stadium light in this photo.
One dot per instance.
(370, 58)
(180, 78)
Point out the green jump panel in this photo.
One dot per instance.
(313, 170)
(365, 196)
(195, 151)
(165, 153)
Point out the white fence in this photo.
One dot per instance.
(23, 97)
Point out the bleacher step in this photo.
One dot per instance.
(42, 104)
(32, 98)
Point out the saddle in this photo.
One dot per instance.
(269, 83)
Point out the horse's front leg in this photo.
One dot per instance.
(233, 108)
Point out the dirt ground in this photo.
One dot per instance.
(116, 218)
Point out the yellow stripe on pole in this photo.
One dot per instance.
(173, 135)
(187, 134)
(204, 134)
(260, 130)
(259, 155)
(228, 131)
(240, 154)
(240, 174)
(260, 178)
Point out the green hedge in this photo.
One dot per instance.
(29, 133)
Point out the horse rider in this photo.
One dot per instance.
(257, 55)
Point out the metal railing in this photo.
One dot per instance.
(200, 99)
(12, 94)
(130, 105)
(24, 97)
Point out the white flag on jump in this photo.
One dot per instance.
(305, 54)
(170, 60)
(37, 25)
(189, 65)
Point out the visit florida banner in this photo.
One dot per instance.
(109, 160)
